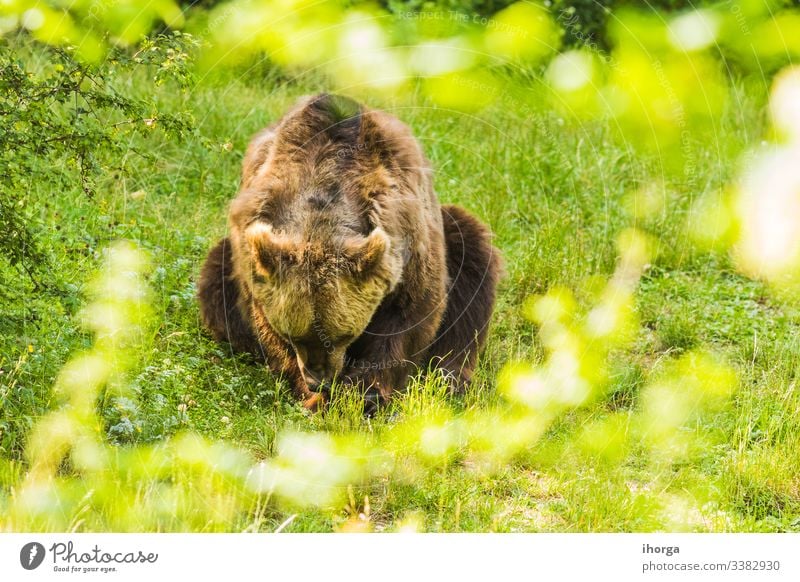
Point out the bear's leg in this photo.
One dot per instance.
(473, 267)
(393, 348)
(219, 295)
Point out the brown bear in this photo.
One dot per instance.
(341, 264)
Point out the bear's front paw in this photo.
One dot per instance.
(314, 401)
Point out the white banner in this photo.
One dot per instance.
(407, 557)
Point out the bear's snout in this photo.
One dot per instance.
(315, 378)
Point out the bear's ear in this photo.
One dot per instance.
(366, 254)
(270, 252)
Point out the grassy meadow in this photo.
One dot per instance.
(556, 189)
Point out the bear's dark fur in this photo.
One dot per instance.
(340, 262)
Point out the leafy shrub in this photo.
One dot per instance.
(584, 21)
(63, 117)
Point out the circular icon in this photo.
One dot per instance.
(31, 555)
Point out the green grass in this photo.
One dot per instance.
(554, 192)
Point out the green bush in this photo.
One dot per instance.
(584, 21)
(63, 119)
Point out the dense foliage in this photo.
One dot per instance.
(64, 119)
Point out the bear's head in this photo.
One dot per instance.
(320, 262)
(317, 296)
